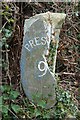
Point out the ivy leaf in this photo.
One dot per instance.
(14, 94)
(5, 96)
(11, 20)
(46, 116)
(7, 32)
(5, 109)
(42, 103)
(37, 112)
(7, 7)
(5, 88)
(16, 108)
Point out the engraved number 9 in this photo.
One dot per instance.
(44, 69)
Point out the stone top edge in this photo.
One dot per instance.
(56, 18)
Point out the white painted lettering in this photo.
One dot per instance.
(31, 42)
(37, 41)
(44, 67)
(44, 40)
(27, 47)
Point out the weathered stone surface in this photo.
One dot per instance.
(36, 77)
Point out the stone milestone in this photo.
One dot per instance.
(38, 81)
